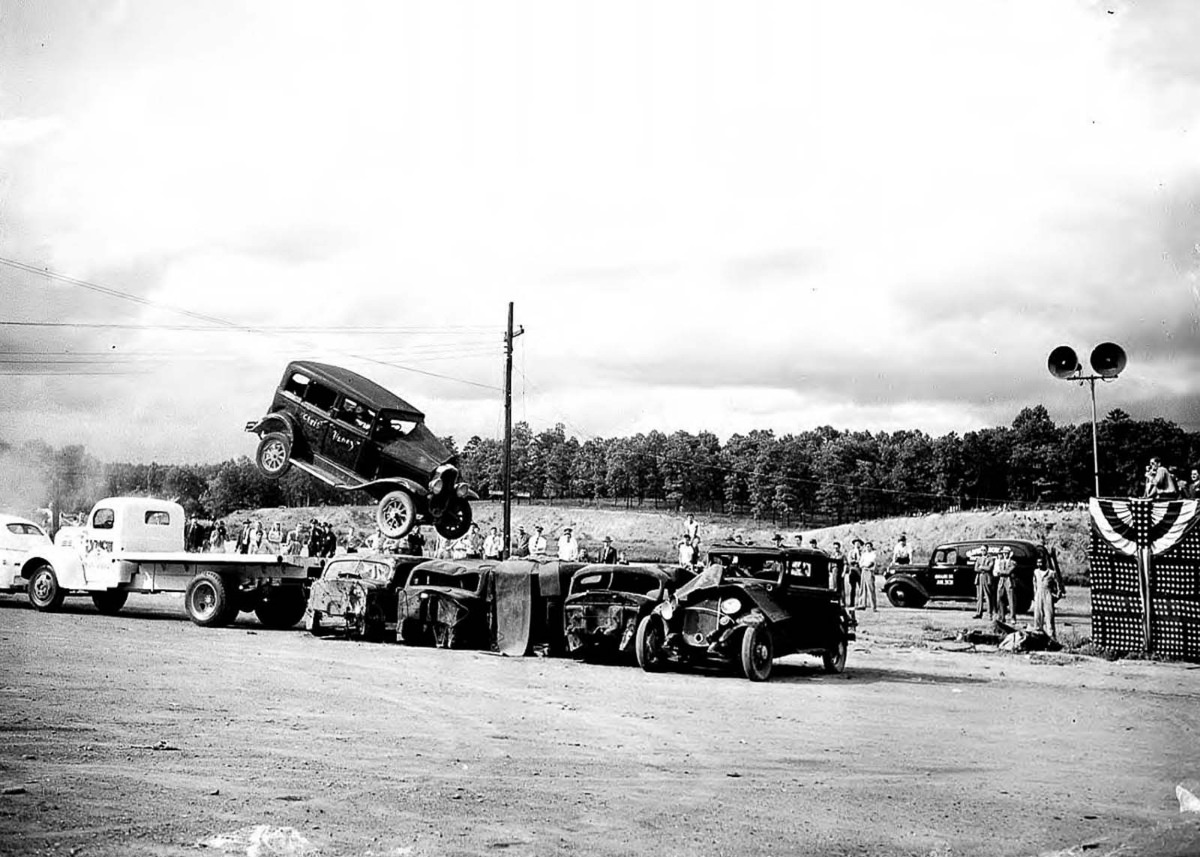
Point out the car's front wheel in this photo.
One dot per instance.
(274, 455)
(758, 653)
(456, 520)
(396, 514)
(901, 595)
(649, 644)
(44, 592)
(835, 659)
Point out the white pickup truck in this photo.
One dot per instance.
(135, 544)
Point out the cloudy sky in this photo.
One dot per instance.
(709, 215)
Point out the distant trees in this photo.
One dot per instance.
(822, 475)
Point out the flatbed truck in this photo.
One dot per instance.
(136, 545)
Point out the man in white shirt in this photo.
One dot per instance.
(687, 553)
(867, 560)
(492, 545)
(691, 528)
(537, 545)
(568, 548)
(902, 553)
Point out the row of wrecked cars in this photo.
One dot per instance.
(749, 606)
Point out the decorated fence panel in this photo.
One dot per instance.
(1145, 576)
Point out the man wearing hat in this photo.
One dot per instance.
(854, 576)
(521, 543)
(568, 548)
(608, 553)
(537, 547)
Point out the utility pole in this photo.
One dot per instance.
(509, 335)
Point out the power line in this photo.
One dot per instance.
(199, 328)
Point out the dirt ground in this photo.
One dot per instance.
(143, 734)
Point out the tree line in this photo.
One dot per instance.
(822, 476)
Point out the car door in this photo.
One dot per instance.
(945, 572)
(314, 416)
(347, 437)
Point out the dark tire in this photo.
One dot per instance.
(758, 653)
(110, 601)
(210, 600)
(834, 660)
(902, 595)
(274, 455)
(282, 608)
(396, 514)
(649, 644)
(1022, 599)
(374, 625)
(314, 627)
(456, 520)
(44, 592)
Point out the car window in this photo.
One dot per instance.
(158, 519)
(320, 396)
(422, 577)
(618, 581)
(356, 414)
(356, 569)
(946, 556)
(297, 384)
(102, 519)
(24, 530)
(394, 425)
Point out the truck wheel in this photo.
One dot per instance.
(648, 645)
(904, 596)
(209, 601)
(834, 660)
(110, 601)
(758, 653)
(456, 520)
(396, 515)
(314, 625)
(44, 592)
(274, 455)
(282, 608)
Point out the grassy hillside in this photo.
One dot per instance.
(651, 535)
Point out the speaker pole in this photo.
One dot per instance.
(1095, 442)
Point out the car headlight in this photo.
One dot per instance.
(731, 605)
(435, 485)
(463, 490)
(667, 611)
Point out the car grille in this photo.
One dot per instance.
(698, 623)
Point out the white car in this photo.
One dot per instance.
(17, 538)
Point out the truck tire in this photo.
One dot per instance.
(396, 514)
(210, 600)
(44, 592)
(110, 601)
(274, 455)
(282, 608)
(456, 520)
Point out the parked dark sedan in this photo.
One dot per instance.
(351, 433)
(445, 604)
(949, 575)
(749, 607)
(606, 603)
(357, 595)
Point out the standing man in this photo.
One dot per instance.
(415, 545)
(492, 545)
(521, 543)
(854, 575)
(1191, 491)
(538, 546)
(691, 528)
(1003, 570)
(867, 561)
(243, 540)
(1160, 484)
(608, 554)
(568, 548)
(1045, 586)
(985, 563)
(687, 553)
(837, 571)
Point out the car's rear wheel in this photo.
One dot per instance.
(44, 592)
(283, 608)
(902, 595)
(649, 644)
(274, 455)
(835, 659)
(314, 626)
(396, 514)
(456, 520)
(110, 601)
(758, 653)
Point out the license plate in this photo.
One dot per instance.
(944, 579)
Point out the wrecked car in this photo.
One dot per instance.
(527, 605)
(356, 595)
(17, 538)
(445, 604)
(750, 606)
(351, 433)
(949, 574)
(606, 603)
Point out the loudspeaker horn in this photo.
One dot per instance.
(1063, 363)
(1108, 359)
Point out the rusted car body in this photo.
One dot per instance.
(356, 595)
(606, 603)
(748, 607)
(351, 433)
(445, 603)
(527, 605)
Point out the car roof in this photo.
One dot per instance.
(662, 572)
(13, 519)
(732, 548)
(455, 566)
(351, 382)
(1024, 543)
